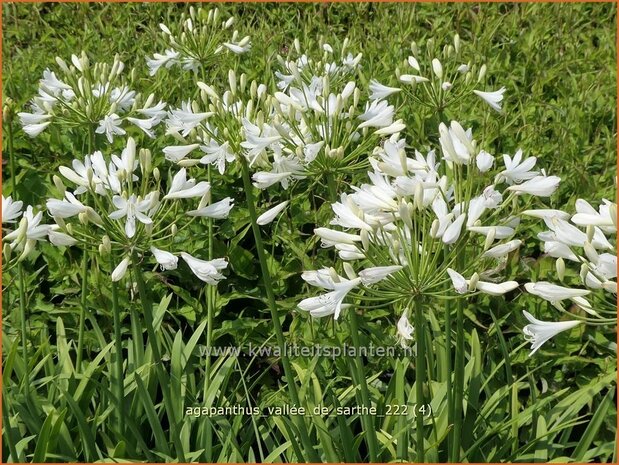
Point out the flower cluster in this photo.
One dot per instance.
(588, 240)
(85, 95)
(407, 227)
(198, 41)
(121, 204)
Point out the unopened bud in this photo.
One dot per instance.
(349, 270)
(473, 282)
(434, 229)
(173, 229)
(156, 174)
(584, 271)
(146, 160)
(490, 238)
(232, 81)
(59, 184)
(457, 43)
(482, 73)
(560, 266)
(365, 239)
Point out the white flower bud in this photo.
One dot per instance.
(437, 68)
(473, 282)
(560, 266)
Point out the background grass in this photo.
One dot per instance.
(558, 63)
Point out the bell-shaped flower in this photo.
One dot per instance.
(552, 292)
(217, 154)
(493, 99)
(502, 249)
(11, 209)
(452, 233)
(405, 330)
(516, 169)
(58, 238)
(458, 281)
(208, 271)
(121, 269)
(331, 237)
(110, 125)
(378, 273)
(380, 91)
(541, 186)
(484, 161)
(182, 188)
(218, 210)
(378, 114)
(538, 332)
(588, 216)
(176, 153)
(331, 302)
(495, 288)
(166, 260)
(65, 208)
(269, 215)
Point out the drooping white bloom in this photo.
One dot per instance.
(378, 114)
(405, 330)
(516, 169)
(409, 78)
(269, 215)
(166, 260)
(30, 228)
(218, 210)
(167, 59)
(58, 238)
(257, 139)
(500, 232)
(456, 144)
(110, 126)
(588, 216)
(502, 249)
(495, 288)
(265, 179)
(458, 281)
(182, 188)
(546, 213)
(552, 292)
(11, 210)
(34, 124)
(207, 271)
(65, 208)
(538, 332)
(541, 186)
(380, 91)
(377, 273)
(121, 269)
(331, 237)
(493, 99)
(330, 303)
(176, 153)
(132, 208)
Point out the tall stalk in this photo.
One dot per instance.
(458, 382)
(118, 347)
(400, 394)
(162, 377)
(266, 278)
(368, 424)
(84, 287)
(420, 362)
(20, 269)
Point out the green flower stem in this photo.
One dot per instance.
(368, 424)
(84, 289)
(119, 385)
(420, 362)
(266, 279)
(402, 452)
(210, 303)
(458, 393)
(164, 381)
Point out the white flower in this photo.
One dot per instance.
(484, 161)
(492, 98)
(409, 78)
(11, 210)
(34, 124)
(458, 281)
(30, 228)
(120, 270)
(552, 292)
(541, 186)
(538, 332)
(166, 260)
(378, 114)
(452, 233)
(502, 249)
(257, 140)
(331, 237)
(110, 126)
(456, 143)
(207, 271)
(405, 330)
(329, 303)
(437, 68)
(515, 171)
(495, 288)
(182, 188)
(218, 210)
(132, 208)
(184, 120)
(413, 63)
(59, 238)
(265, 179)
(500, 232)
(380, 91)
(217, 155)
(587, 215)
(167, 60)
(377, 273)
(176, 153)
(269, 215)
(546, 213)
(241, 47)
(65, 208)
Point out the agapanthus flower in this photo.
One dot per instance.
(539, 332)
